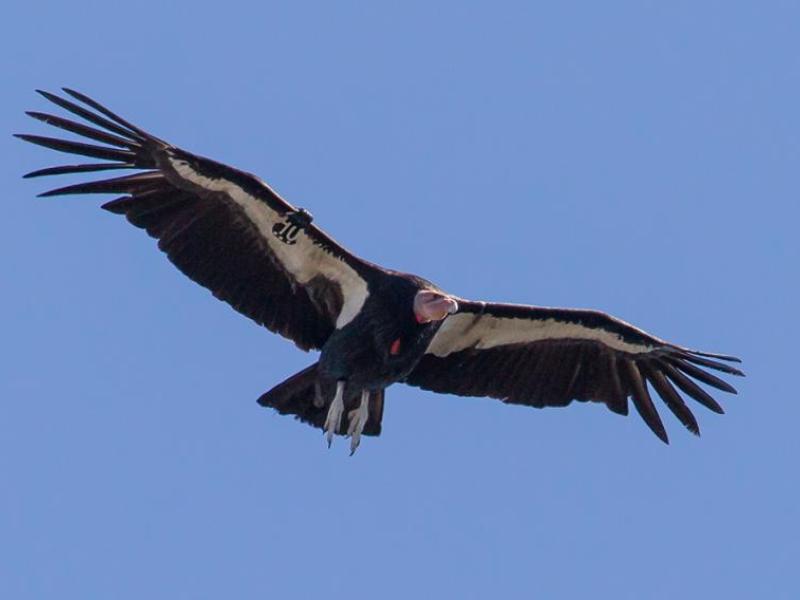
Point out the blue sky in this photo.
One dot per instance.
(636, 157)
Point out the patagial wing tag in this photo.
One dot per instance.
(287, 230)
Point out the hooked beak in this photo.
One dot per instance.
(432, 306)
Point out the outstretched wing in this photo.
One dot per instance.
(225, 229)
(549, 356)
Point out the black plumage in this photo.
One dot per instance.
(231, 233)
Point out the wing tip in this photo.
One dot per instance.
(117, 206)
(727, 357)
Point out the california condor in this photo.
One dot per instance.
(231, 233)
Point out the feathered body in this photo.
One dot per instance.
(384, 342)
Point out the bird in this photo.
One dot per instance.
(372, 326)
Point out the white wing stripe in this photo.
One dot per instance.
(304, 260)
(463, 331)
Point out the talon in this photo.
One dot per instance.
(358, 419)
(352, 417)
(334, 419)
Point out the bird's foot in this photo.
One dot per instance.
(358, 419)
(334, 418)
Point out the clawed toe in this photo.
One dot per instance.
(334, 419)
(358, 419)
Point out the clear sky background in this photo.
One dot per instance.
(636, 157)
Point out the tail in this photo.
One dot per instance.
(308, 398)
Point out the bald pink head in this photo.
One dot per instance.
(433, 306)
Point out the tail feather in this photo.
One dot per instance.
(305, 396)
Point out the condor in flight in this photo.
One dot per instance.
(231, 233)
